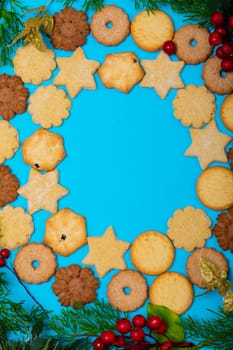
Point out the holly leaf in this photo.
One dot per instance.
(175, 331)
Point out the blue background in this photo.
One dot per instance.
(125, 164)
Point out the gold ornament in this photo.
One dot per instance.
(228, 301)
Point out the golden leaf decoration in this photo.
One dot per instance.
(47, 24)
(228, 301)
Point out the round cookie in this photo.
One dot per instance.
(172, 290)
(193, 264)
(184, 39)
(152, 253)
(215, 80)
(215, 188)
(27, 257)
(110, 25)
(226, 112)
(118, 286)
(151, 29)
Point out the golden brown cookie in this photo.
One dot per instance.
(173, 290)
(9, 140)
(151, 29)
(189, 228)
(152, 252)
(135, 285)
(194, 106)
(121, 71)
(16, 227)
(192, 43)
(43, 150)
(215, 188)
(35, 263)
(110, 25)
(214, 80)
(65, 231)
(32, 65)
(226, 112)
(193, 264)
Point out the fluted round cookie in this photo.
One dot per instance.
(215, 188)
(226, 112)
(152, 253)
(173, 290)
(151, 29)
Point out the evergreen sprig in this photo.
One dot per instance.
(215, 333)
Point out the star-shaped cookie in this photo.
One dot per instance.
(162, 74)
(208, 145)
(76, 72)
(106, 252)
(42, 191)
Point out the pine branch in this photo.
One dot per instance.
(216, 333)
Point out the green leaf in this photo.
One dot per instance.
(174, 330)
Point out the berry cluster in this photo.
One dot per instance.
(136, 335)
(221, 38)
(4, 254)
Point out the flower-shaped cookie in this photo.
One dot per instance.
(189, 228)
(49, 106)
(223, 230)
(13, 96)
(32, 65)
(70, 29)
(75, 285)
(9, 140)
(9, 185)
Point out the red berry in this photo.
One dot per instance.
(99, 344)
(166, 346)
(222, 31)
(2, 262)
(154, 322)
(123, 325)
(120, 340)
(162, 329)
(139, 321)
(227, 64)
(4, 253)
(169, 47)
(230, 21)
(137, 334)
(217, 18)
(108, 337)
(215, 39)
(219, 53)
(227, 49)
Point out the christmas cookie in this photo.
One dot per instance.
(226, 112)
(151, 29)
(189, 228)
(230, 157)
(152, 252)
(75, 286)
(194, 106)
(214, 80)
(106, 252)
(127, 280)
(70, 29)
(9, 140)
(215, 188)
(42, 191)
(13, 96)
(193, 264)
(9, 185)
(43, 150)
(65, 231)
(223, 230)
(192, 43)
(211, 151)
(33, 65)
(76, 72)
(173, 290)
(121, 71)
(16, 227)
(35, 263)
(162, 74)
(110, 25)
(49, 106)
